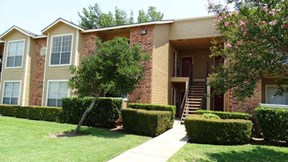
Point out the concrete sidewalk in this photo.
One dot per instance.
(160, 148)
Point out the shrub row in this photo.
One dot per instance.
(104, 113)
(227, 115)
(156, 107)
(31, 112)
(218, 131)
(144, 122)
(274, 123)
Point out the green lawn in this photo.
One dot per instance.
(27, 140)
(240, 153)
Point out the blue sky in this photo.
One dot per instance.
(35, 15)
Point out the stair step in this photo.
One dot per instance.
(193, 102)
(194, 99)
(193, 105)
(197, 86)
(196, 91)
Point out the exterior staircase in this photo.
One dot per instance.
(194, 99)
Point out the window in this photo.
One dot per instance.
(11, 93)
(15, 53)
(272, 99)
(56, 91)
(61, 50)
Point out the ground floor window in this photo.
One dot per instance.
(56, 91)
(11, 92)
(271, 98)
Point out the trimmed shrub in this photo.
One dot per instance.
(104, 114)
(274, 123)
(210, 116)
(170, 108)
(31, 112)
(218, 131)
(227, 115)
(144, 122)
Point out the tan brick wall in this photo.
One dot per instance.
(142, 93)
(248, 104)
(37, 72)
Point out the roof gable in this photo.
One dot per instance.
(45, 30)
(23, 31)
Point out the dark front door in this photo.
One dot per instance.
(186, 66)
(218, 103)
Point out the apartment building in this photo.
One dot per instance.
(35, 68)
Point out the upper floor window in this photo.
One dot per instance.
(15, 53)
(61, 50)
(11, 93)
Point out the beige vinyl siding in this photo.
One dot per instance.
(31, 66)
(17, 74)
(58, 72)
(160, 65)
(193, 28)
(26, 81)
(200, 60)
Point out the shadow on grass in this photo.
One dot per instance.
(258, 154)
(90, 131)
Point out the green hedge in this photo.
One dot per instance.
(227, 115)
(145, 122)
(104, 114)
(31, 112)
(218, 131)
(274, 123)
(170, 108)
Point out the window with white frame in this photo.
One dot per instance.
(61, 50)
(56, 91)
(271, 98)
(11, 93)
(15, 53)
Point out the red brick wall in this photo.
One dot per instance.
(87, 46)
(142, 93)
(37, 72)
(1, 49)
(248, 104)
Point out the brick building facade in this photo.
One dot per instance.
(175, 47)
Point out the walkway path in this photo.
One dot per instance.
(158, 149)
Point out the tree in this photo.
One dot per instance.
(152, 15)
(254, 43)
(92, 17)
(116, 67)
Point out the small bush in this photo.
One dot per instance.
(218, 131)
(31, 112)
(274, 123)
(210, 116)
(227, 115)
(104, 114)
(170, 108)
(143, 122)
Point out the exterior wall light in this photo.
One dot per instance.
(143, 31)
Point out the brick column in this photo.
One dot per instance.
(142, 93)
(37, 72)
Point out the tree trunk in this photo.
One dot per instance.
(77, 130)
